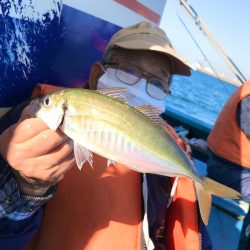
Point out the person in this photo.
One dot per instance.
(102, 208)
(229, 143)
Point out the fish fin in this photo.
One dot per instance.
(209, 187)
(219, 189)
(117, 93)
(152, 113)
(110, 162)
(82, 155)
(205, 202)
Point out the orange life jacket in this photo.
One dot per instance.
(181, 220)
(226, 139)
(100, 208)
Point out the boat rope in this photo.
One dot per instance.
(200, 23)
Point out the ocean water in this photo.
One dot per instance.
(199, 96)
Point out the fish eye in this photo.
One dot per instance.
(46, 101)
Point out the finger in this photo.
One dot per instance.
(43, 143)
(30, 166)
(56, 173)
(27, 129)
(63, 167)
(56, 156)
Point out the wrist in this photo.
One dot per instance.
(31, 190)
(30, 186)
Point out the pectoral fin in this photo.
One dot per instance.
(110, 162)
(82, 155)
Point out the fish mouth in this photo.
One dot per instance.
(34, 107)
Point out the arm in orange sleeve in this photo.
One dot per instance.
(43, 89)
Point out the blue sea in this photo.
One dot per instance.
(199, 96)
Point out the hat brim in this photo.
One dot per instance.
(179, 66)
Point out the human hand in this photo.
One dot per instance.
(38, 155)
(199, 143)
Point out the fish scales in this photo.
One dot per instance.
(99, 114)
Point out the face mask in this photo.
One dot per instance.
(136, 94)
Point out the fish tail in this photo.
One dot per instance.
(208, 187)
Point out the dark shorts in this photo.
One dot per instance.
(229, 174)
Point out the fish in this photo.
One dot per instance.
(102, 122)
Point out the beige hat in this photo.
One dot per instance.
(146, 36)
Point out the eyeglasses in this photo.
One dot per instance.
(130, 74)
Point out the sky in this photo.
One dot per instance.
(227, 20)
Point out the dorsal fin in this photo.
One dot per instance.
(118, 93)
(152, 113)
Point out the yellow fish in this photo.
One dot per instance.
(101, 122)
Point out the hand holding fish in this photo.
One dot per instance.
(39, 156)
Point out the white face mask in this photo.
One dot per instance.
(136, 93)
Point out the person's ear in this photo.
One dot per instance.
(96, 72)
